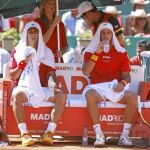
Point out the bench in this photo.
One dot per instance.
(75, 115)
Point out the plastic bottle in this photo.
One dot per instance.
(106, 46)
(85, 136)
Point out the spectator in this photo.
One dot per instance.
(93, 18)
(48, 22)
(115, 13)
(129, 25)
(139, 4)
(32, 63)
(4, 58)
(142, 45)
(4, 24)
(140, 22)
(109, 74)
(69, 21)
(82, 27)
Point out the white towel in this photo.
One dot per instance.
(106, 91)
(92, 47)
(30, 78)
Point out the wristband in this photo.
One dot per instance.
(94, 57)
(124, 82)
(21, 65)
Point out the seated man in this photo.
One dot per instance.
(109, 74)
(142, 45)
(31, 65)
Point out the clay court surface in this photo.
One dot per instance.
(65, 145)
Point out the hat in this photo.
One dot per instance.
(140, 13)
(141, 2)
(112, 10)
(145, 44)
(84, 7)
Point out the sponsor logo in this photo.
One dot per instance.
(134, 70)
(114, 118)
(64, 68)
(37, 116)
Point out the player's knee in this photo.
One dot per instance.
(17, 96)
(90, 96)
(61, 97)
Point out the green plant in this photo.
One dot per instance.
(10, 34)
(86, 35)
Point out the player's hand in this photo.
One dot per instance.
(118, 87)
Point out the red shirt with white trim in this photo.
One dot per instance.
(109, 66)
(43, 71)
(52, 42)
(135, 61)
(105, 17)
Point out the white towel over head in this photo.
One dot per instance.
(30, 75)
(92, 47)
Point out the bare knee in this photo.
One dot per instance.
(18, 96)
(61, 98)
(90, 96)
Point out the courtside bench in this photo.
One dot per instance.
(75, 117)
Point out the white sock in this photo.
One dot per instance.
(51, 127)
(126, 129)
(22, 127)
(97, 129)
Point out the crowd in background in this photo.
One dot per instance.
(77, 26)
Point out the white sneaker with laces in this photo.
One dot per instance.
(125, 141)
(100, 140)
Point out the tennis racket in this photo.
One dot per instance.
(140, 132)
(4, 134)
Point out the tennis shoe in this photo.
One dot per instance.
(100, 140)
(125, 141)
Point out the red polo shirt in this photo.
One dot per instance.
(109, 66)
(52, 42)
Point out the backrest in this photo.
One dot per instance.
(6, 74)
(72, 81)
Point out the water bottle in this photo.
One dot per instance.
(85, 136)
(51, 83)
(106, 46)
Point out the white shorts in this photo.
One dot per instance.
(106, 91)
(47, 90)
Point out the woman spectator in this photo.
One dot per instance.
(140, 22)
(129, 25)
(139, 4)
(48, 22)
(114, 12)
